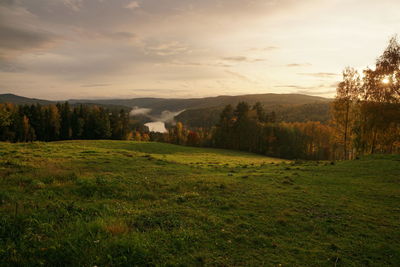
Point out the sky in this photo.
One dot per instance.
(64, 49)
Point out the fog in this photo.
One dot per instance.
(156, 126)
(139, 111)
(157, 123)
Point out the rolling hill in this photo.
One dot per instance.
(157, 105)
(124, 203)
(20, 100)
(204, 112)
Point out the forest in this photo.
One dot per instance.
(364, 119)
(25, 123)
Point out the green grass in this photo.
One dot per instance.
(117, 203)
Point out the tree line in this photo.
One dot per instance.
(24, 123)
(250, 128)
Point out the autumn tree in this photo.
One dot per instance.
(5, 115)
(344, 107)
(381, 98)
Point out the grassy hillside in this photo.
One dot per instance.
(117, 203)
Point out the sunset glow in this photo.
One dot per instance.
(60, 49)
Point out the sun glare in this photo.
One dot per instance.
(385, 81)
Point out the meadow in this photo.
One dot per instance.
(124, 203)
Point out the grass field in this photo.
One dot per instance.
(117, 203)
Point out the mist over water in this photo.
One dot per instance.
(156, 126)
(139, 111)
(158, 121)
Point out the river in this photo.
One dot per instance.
(156, 126)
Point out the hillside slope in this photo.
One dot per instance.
(157, 105)
(208, 117)
(20, 100)
(120, 203)
(204, 112)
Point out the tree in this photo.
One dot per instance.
(381, 98)
(51, 123)
(65, 121)
(5, 116)
(343, 109)
(223, 135)
(193, 139)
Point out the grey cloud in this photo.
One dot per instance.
(75, 5)
(82, 40)
(20, 39)
(133, 5)
(94, 13)
(7, 66)
(78, 62)
(122, 35)
(96, 85)
(7, 2)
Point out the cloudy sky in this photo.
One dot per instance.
(61, 49)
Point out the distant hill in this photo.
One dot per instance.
(157, 105)
(20, 100)
(204, 112)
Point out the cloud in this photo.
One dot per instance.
(320, 74)
(266, 48)
(198, 64)
(168, 49)
(106, 34)
(7, 66)
(7, 2)
(96, 85)
(160, 91)
(24, 39)
(75, 5)
(53, 47)
(291, 86)
(320, 89)
(242, 59)
(315, 92)
(291, 65)
(238, 58)
(133, 5)
(238, 75)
